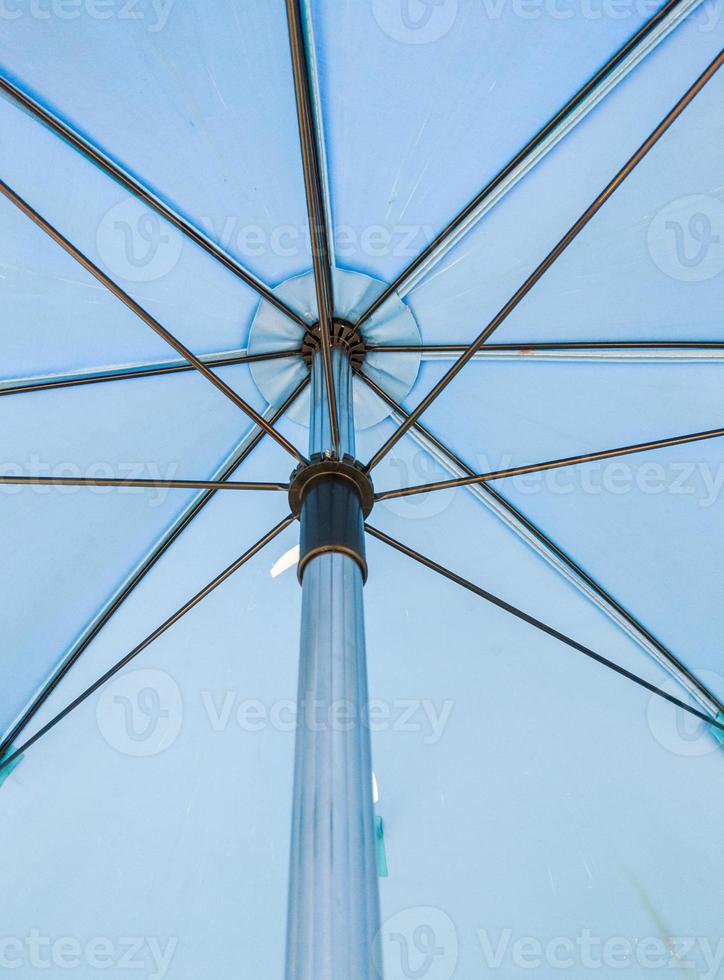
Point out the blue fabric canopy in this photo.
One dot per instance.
(542, 813)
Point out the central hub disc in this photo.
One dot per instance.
(393, 324)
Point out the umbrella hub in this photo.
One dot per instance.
(345, 336)
(271, 330)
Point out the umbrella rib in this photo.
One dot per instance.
(150, 321)
(98, 376)
(552, 256)
(660, 652)
(654, 30)
(554, 464)
(541, 626)
(132, 184)
(159, 631)
(316, 205)
(553, 346)
(247, 446)
(80, 481)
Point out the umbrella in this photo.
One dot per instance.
(362, 417)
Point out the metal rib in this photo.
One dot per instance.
(150, 321)
(316, 210)
(615, 69)
(241, 453)
(539, 625)
(80, 481)
(692, 347)
(133, 185)
(99, 376)
(554, 464)
(559, 559)
(159, 631)
(553, 255)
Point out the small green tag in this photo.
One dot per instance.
(717, 732)
(4, 773)
(382, 869)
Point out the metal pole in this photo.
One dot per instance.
(334, 917)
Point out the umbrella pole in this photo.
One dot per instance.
(333, 917)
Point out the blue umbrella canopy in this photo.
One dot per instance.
(511, 216)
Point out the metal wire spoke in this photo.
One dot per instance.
(519, 161)
(150, 321)
(552, 256)
(133, 185)
(159, 631)
(554, 464)
(152, 559)
(316, 213)
(539, 625)
(90, 377)
(609, 604)
(80, 481)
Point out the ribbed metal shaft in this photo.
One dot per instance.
(334, 916)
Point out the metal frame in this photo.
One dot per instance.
(240, 453)
(628, 351)
(159, 631)
(410, 423)
(553, 255)
(541, 626)
(127, 180)
(554, 464)
(80, 481)
(146, 317)
(577, 108)
(89, 376)
(520, 525)
(316, 206)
